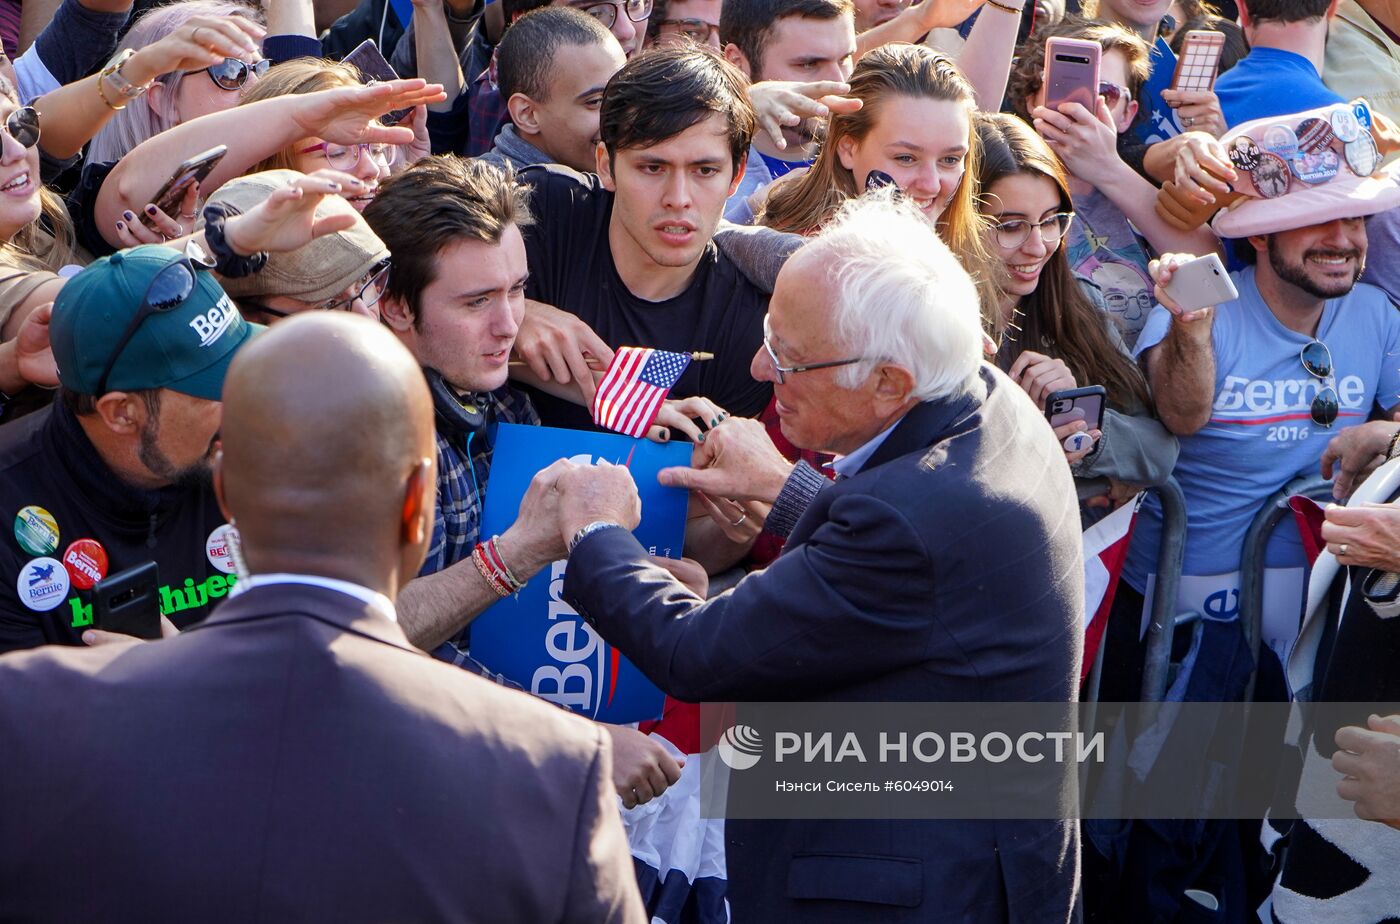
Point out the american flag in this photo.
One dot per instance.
(634, 386)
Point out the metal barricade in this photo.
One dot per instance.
(1169, 558)
(1163, 620)
(1252, 560)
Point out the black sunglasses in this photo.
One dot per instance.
(23, 126)
(1317, 360)
(168, 290)
(232, 73)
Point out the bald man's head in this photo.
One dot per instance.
(326, 419)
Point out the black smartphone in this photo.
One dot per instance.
(195, 170)
(128, 602)
(369, 61)
(1072, 404)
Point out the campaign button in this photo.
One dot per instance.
(1362, 113)
(1316, 168)
(1271, 177)
(1362, 156)
(1280, 140)
(86, 561)
(36, 530)
(216, 547)
(1244, 153)
(1315, 135)
(42, 584)
(1345, 125)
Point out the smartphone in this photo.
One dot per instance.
(369, 61)
(1200, 283)
(1199, 63)
(1072, 73)
(195, 170)
(1086, 404)
(128, 602)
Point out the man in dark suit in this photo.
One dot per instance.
(944, 565)
(293, 758)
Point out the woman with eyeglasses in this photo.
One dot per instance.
(1056, 334)
(256, 134)
(369, 162)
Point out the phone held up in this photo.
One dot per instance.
(1200, 283)
(1072, 73)
(369, 61)
(1086, 404)
(193, 171)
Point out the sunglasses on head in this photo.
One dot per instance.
(168, 290)
(23, 126)
(232, 73)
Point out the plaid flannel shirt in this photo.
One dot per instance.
(464, 465)
(486, 112)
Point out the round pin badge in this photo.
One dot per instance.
(1363, 114)
(42, 584)
(216, 547)
(1076, 442)
(1281, 140)
(36, 530)
(86, 561)
(1315, 135)
(1316, 168)
(1345, 125)
(1362, 156)
(1244, 153)
(1271, 177)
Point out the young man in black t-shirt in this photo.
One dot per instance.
(630, 252)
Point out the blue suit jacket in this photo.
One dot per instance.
(948, 569)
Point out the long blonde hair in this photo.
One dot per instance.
(139, 120)
(896, 69)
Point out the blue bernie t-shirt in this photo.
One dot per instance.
(1270, 82)
(1260, 434)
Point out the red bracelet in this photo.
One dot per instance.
(487, 572)
(494, 556)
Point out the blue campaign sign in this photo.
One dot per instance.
(1160, 123)
(534, 637)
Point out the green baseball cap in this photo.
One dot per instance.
(186, 349)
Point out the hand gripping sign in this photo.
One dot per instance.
(536, 639)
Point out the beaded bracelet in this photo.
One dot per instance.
(493, 568)
(479, 558)
(1390, 448)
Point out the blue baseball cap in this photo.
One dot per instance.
(186, 349)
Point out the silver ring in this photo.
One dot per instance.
(183, 215)
(741, 519)
(1188, 121)
(181, 229)
(194, 36)
(1342, 550)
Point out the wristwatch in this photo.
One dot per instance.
(112, 75)
(590, 529)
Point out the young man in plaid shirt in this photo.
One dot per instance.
(455, 299)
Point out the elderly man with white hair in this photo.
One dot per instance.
(943, 565)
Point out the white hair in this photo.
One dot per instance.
(900, 296)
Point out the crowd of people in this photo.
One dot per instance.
(265, 300)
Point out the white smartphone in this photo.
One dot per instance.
(1200, 283)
